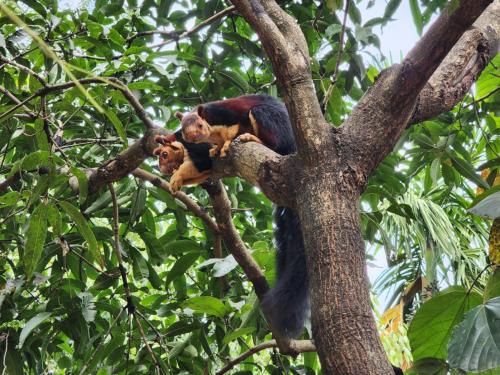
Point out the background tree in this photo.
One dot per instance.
(104, 271)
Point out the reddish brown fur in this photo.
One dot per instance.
(170, 158)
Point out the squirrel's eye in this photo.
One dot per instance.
(164, 154)
(200, 126)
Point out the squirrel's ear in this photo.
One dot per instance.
(200, 110)
(157, 151)
(179, 115)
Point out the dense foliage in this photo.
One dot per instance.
(62, 302)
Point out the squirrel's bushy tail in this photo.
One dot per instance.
(287, 303)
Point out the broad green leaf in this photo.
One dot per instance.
(84, 229)
(36, 6)
(237, 333)
(120, 130)
(391, 8)
(206, 305)
(35, 239)
(431, 328)
(9, 199)
(106, 280)
(181, 266)
(417, 16)
(41, 136)
(428, 366)
(144, 85)
(31, 325)
(181, 247)
(475, 343)
(55, 221)
(83, 184)
(467, 170)
(180, 328)
(492, 288)
(235, 78)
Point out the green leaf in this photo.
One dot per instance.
(417, 16)
(391, 8)
(475, 343)
(354, 13)
(120, 130)
(432, 325)
(467, 170)
(116, 37)
(181, 266)
(31, 325)
(492, 288)
(206, 305)
(144, 85)
(9, 199)
(237, 333)
(428, 366)
(83, 184)
(55, 221)
(84, 229)
(181, 247)
(234, 78)
(36, 6)
(106, 280)
(35, 239)
(41, 136)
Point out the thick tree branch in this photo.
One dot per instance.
(177, 36)
(232, 239)
(235, 245)
(125, 162)
(382, 114)
(461, 67)
(300, 346)
(259, 166)
(284, 43)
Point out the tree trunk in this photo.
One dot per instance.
(343, 324)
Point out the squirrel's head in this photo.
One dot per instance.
(195, 128)
(171, 156)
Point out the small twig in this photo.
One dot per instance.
(117, 248)
(333, 78)
(17, 101)
(18, 105)
(148, 347)
(201, 25)
(23, 68)
(301, 346)
(85, 141)
(159, 336)
(4, 361)
(484, 97)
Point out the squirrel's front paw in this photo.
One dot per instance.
(213, 151)
(175, 183)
